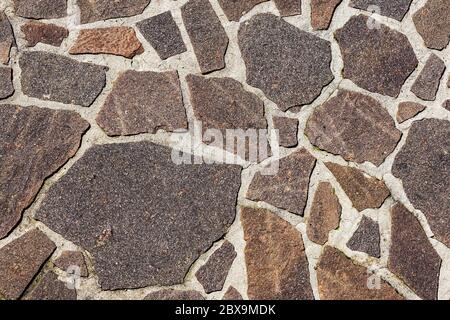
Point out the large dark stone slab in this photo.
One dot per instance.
(6, 82)
(393, 9)
(427, 83)
(41, 9)
(366, 238)
(433, 23)
(6, 38)
(96, 10)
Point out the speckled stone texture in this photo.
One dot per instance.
(96, 10)
(392, 9)
(366, 238)
(171, 294)
(41, 9)
(432, 22)
(69, 260)
(51, 288)
(427, 83)
(6, 38)
(288, 7)
(235, 9)
(322, 12)
(287, 130)
(408, 110)
(6, 82)
(232, 294)
(37, 32)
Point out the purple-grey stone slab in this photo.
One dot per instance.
(427, 83)
(366, 238)
(432, 21)
(172, 294)
(41, 9)
(51, 288)
(6, 84)
(7, 39)
(97, 10)
(395, 9)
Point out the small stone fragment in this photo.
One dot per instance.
(6, 38)
(49, 76)
(408, 110)
(96, 10)
(411, 256)
(143, 102)
(232, 294)
(37, 32)
(427, 84)
(212, 274)
(235, 9)
(364, 191)
(171, 294)
(41, 9)
(341, 279)
(446, 105)
(208, 37)
(433, 23)
(288, 130)
(322, 12)
(277, 266)
(325, 214)
(288, 188)
(393, 9)
(355, 126)
(51, 288)
(6, 84)
(21, 260)
(289, 65)
(376, 59)
(163, 34)
(366, 238)
(289, 7)
(68, 260)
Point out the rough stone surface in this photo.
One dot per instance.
(69, 259)
(322, 12)
(51, 288)
(232, 294)
(6, 84)
(289, 65)
(131, 206)
(423, 165)
(277, 267)
(376, 59)
(411, 256)
(96, 10)
(37, 32)
(41, 9)
(364, 191)
(446, 105)
(288, 130)
(143, 102)
(35, 143)
(289, 7)
(341, 279)
(366, 238)
(433, 23)
(208, 37)
(355, 126)
(235, 9)
(171, 294)
(393, 9)
(6, 38)
(213, 273)
(120, 41)
(163, 34)
(427, 84)
(49, 76)
(408, 110)
(288, 188)
(325, 214)
(21, 260)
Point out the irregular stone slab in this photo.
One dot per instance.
(212, 274)
(6, 38)
(408, 110)
(376, 59)
(68, 260)
(141, 210)
(366, 238)
(392, 9)
(340, 279)
(232, 294)
(289, 7)
(355, 126)
(446, 105)
(96, 10)
(163, 34)
(119, 41)
(171, 294)
(322, 12)
(51, 288)
(234, 10)
(277, 267)
(41, 9)
(448, 82)
(289, 65)
(288, 188)
(6, 82)
(411, 256)
(288, 130)
(35, 143)
(21, 260)
(364, 191)
(208, 37)
(37, 32)
(427, 84)
(143, 102)
(433, 23)
(325, 214)
(49, 76)
(423, 166)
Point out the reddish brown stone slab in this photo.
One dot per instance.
(322, 12)
(51, 288)
(423, 166)
(96, 10)
(6, 38)
(119, 41)
(341, 279)
(288, 188)
(35, 143)
(41, 9)
(289, 7)
(213, 273)
(277, 266)
(393, 9)
(325, 214)
(378, 59)
(427, 84)
(143, 102)
(364, 191)
(433, 23)
(37, 32)
(355, 126)
(171, 294)
(289, 65)
(232, 294)
(21, 260)
(288, 130)
(408, 110)
(411, 256)
(208, 37)
(235, 9)
(70, 259)
(6, 84)
(366, 238)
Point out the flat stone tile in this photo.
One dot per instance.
(41, 9)
(393, 9)
(288, 131)
(427, 83)
(232, 294)
(432, 21)
(72, 261)
(322, 12)
(6, 82)
(7, 40)
(37, 32)
(366, 238)
(51, 288)
(172, 294)
(408, 110)
(97, 10)
(234, 10)
(289, 7)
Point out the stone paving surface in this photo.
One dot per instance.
(118, 181)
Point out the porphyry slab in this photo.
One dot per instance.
(96, 10)
(432, 21)
(37, 32)
(6, 82)
(51, 288)
(366, 238)
(41, 9)
(232, 294)
(72, 262)
(235, 9)
(172, 294)
(322, 12)
(7, 40)
(408, 110)
(393, 9)
(287, 130)
(289, 7)
(427, 84)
